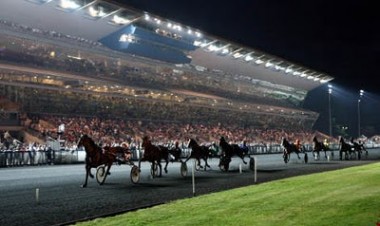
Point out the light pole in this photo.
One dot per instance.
(361, 92)
(330, 124)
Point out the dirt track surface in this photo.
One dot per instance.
(62, 201)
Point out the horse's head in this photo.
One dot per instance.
(145, 142)
(191, 143)
(82, 140)
(315, 139)
(284, 142)
(222, 141)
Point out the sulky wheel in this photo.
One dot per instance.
(101, 174)
(183, 169)
(135, 174)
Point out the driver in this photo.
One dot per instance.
(298, 144)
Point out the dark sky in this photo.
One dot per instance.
(340, 38)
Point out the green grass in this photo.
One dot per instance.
(344, 197)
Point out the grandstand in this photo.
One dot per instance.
(85, 57)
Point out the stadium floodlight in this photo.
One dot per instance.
(127, 38)
(120, 20)
(96, 12)
(248, 58)
(237, 55)
(259, 61)
(198, 34)
(197, 43)
(69, 4)
(213, 48)
(225, 51)
(189, 31)
(361, 93)
(268, 64)
(289, 69)
(146, 17)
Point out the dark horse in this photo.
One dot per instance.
(291, 148)
(198, 152)
(154, 155)
(228, 151)
(95, 156)
(318, 147)
(348, 149)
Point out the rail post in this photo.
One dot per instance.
(193, 177)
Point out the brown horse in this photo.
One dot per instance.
(319, 146)
(198, 152)
(95, 156)
(154, 154)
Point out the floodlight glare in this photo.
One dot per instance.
(258, 61)
(288, 70)
(237, 55)
(69, 4)
(248, 58)
(323, 81)
(120, 20)
(225, 51)
(268, 64)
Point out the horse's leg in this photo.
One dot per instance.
(325, 153)
(160, 166)
(206, 165)
(107, 172)
(166, 165)
(199, 163)
(242, 158)
(88, 168)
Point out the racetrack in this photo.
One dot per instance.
(61, 199)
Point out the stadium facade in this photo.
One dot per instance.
(86, 57)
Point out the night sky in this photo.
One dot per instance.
(340, 38)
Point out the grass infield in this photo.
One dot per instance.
(349, 196)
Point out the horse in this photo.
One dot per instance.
(291, 148)
(198, 152)
(345, 148)
(318, 147)
(95, 157)
(228, 151)
(154, 155)
(360, 148)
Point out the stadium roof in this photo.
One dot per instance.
(140, 33)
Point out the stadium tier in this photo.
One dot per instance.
(97, 57)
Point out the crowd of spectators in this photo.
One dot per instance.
(111, 131)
